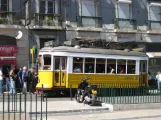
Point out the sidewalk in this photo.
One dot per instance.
(53, 107)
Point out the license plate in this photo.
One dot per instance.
(94, 91)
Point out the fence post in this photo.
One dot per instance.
(3, 106)
(42, 92)
(71, 97)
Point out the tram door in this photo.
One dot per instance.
(60, 71)
(143, 73)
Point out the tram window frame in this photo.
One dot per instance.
(111, 68)
(121, 63)
(88, 64)
(47, 66)
(78, 64)
(130, 63)
(100, 63)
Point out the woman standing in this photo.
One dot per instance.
(1, 81)
(12, 82)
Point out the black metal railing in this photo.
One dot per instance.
(42, 19)
(124, 93)
(125, 23)
(8, 18)
(89, 21)
(23, 106)
(154, 25)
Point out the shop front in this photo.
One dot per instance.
(8, 56)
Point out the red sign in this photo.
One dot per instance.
(8, 48)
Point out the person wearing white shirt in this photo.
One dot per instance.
(1, 81)
(159, 79)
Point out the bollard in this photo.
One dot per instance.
(46, 108)
(36, 106)
(71, 97)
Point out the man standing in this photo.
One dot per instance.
(23, 77)
(1, 81)
(158, 78)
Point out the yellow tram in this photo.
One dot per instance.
(62, 66)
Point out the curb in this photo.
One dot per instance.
(106, 108)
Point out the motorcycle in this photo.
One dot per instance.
(86, 93)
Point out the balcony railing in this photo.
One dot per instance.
(89, 21)
(42, 19)
(125, 23)
(8, 18)
(154, 25)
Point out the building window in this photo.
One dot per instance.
(155, 15)
(4, 5)
(124, 14)
(89, 13)
(49, 6)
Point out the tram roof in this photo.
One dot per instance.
(92, 51)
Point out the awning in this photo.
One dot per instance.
(154, 54)
(7, 58)
(125, 1)
(155, 4)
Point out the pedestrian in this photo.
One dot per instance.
(31, 80)
(149, 78)
(12, 81)
(158, 78)
(23, 76)
(7, 80)
(1, 81)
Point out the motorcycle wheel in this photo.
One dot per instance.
(77, 98)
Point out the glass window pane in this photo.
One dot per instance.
(40, 62)
(89, 65)
(100, 65)
(42, 3)
(47, 62)
(131, 66)
(121, 66)
(4, 7)
(50, 4)
(4, 1)
(64, 63)
(111, 66)
(57, 63)
(42, 9)
(77, 65)
(50, 10)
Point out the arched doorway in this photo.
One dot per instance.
(8, 51)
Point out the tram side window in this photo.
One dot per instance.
(111, 66)
(57, 63)
(64, 63)
(143, 66)
(40, 62)
(100, 65)
(131, 66)
(121, 66)
(77, 65)
(89, 65)
(47, 62)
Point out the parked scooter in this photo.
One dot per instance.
(86, 93)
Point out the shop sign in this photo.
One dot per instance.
(9, 48)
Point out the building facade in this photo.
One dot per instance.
(120, 23)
